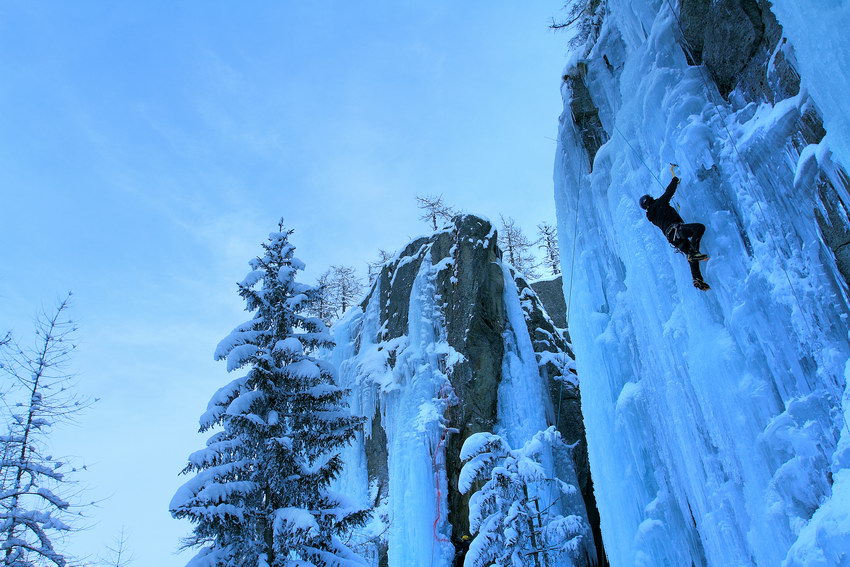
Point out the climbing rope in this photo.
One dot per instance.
(748, 172)
(444, 394)
(749, 177)
(573, 259)
(572, 274)
(639, 157)
(575, 222)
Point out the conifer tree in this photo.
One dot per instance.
(346, 288)
(434, 210)
(337, 289)
(260, 491)
(322, 305)
(513, 515)
(517, 248)
(119, 554)
(374, 268)
(34, 507)
(548, 241)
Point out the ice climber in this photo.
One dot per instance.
(683, 236)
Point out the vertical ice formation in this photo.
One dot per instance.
(411, 391)
(448, 343)
(818, 32)
(715, 421)
(518, 416)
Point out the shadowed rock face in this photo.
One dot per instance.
(470, 295)
(725, 35)
(832, 219)
(551, 294)
(585, 114)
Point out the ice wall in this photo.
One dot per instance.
(715, 420)
(413, 394)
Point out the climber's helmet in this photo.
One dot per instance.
(645, 201)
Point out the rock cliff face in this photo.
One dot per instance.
(551, 294)
(426, 356)
(715, 421)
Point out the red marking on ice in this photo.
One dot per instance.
(443, 395)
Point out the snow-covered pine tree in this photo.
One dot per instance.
(548, 241)
(260, 495)
(34, 511)
(513, 516)
(517, 248)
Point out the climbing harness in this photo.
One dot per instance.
(672, 232)
(673, 236)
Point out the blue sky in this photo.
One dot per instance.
(148, 148)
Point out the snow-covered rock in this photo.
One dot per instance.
(449, 343)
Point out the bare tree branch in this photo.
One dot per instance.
(373, 269)
(517, 248)
(548, 241)
(119, 555)
(433, 209)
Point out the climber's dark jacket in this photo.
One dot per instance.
(660, 212)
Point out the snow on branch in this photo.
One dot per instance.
(517, 511)
(33, 505)
(259, 490)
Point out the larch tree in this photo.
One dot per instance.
(322, 305)
(517, 248)
(584, 17)
(548, 241)
(373, 269)
(346, 288)
(119, 553)
(337, 289)
(434, 210)
(260, 492)
(35, 511)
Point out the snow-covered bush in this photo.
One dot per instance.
(515, 514)
(260, 492)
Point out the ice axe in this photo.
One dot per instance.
(673, 167)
